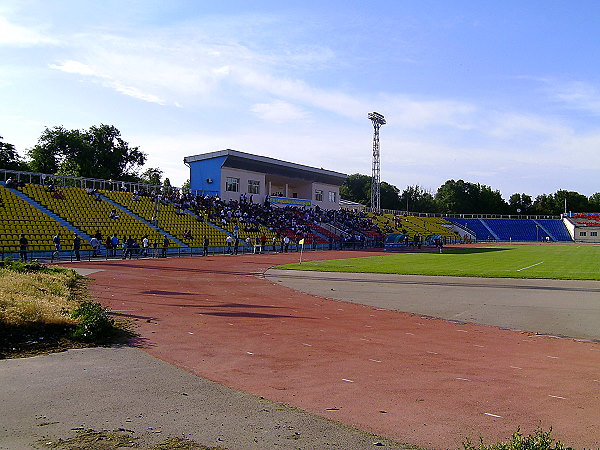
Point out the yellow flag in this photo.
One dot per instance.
(301, 242)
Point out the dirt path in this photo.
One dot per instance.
(423, 381)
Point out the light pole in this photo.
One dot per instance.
(377, 120)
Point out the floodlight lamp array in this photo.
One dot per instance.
(377, 118)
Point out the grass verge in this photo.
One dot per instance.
(46, 309)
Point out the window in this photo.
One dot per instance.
(332, 197)
(232, 184)
(253, 187)
(593, 233)
(318, 195)
(582, 233)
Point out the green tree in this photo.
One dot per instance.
(99, 152)
(357, 188)
(455, 197)
(416, 199)
(167, 182)
(9, 158)
(186, 185)
(152, 175)
(520, 203)
(594, 202)
(554, 204)
(390, 198)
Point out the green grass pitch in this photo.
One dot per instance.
(562, 262)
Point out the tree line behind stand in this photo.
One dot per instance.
(463, 197)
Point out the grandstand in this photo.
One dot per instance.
(515, 230)
(18, 216)
(85, 207)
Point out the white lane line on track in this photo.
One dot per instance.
(462, 379)
(433, 353)
(557, 396)
(347, 380)
(515, 367)
(553, 357)
(375, 360)
(529, 267)
(493, 415)
(308, 345)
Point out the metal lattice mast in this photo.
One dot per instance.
(377, 120)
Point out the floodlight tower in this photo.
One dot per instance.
(377, 120)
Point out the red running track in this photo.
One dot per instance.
(417, 380)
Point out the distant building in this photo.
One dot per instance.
(231, 174)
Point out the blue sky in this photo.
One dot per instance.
(505, 94)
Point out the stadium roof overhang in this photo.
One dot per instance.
(245, 161)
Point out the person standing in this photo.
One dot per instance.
(114, 241)
(263, 243)
(56, 241)
(286, 244)
(236, 245)
(23, 244)
(145, 245)
(95, 243)
(77, 247)
(205, 243)
(229, 241)
(165, 246)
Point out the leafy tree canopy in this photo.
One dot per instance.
(98, 152)
(9, 158)
(152, 175)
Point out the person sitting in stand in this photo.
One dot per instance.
(113, 215)
(10, 183)
(188, 234)
(58, 195)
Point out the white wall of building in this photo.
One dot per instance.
(244, 177)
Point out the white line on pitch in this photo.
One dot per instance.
(349, 381)
(493, 415)
(529, 267)
(557, 396)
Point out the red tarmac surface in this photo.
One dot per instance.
(417, 380)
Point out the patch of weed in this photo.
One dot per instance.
(539, 440)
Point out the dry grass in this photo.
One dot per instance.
(28, 298)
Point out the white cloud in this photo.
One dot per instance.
(579, 95)
(73, 67)
(278, 112)
(15, 35)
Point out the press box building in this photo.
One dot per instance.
(231, 174)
